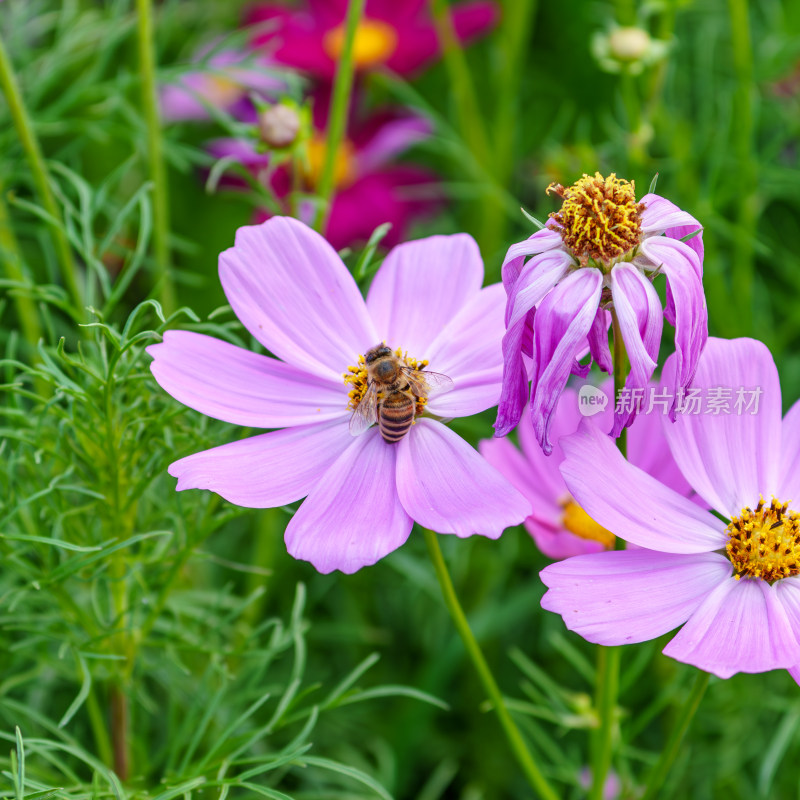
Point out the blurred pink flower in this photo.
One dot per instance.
(295, 296)
(369, 189)
(730, 579)
(602, 249)
(223, 82)
(558, 524)
(398, 34)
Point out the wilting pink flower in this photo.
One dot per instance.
(734, 586)
(225, 81)
(602, 250)
(398, 34)
(559, 526)
(369, 189)
(293, 293)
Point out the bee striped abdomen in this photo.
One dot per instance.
(395, 416)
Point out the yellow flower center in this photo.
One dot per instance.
(343, 163)
(765, 543)
(374, 42)
(578, 522)
(357, 376)
(599, 219)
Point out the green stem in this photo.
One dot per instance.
(742, 133)
(608, 658)
(537, 781)
(155, 153)
(670, 752)
(41, 178)
(337, 118)
(12, 261)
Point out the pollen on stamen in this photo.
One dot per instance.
(599, 219)
(765, 542)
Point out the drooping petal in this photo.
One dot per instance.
(469, 351)
(293, 293)
(540, 276)
(742, 626)
(789, 470)
(421, 286)
(448, 487)
(540, 242)
(630, 503)
(352, 517)
(236, 385)
(267, 470)
(598, 340)
(562, 323)
(662, 216)
(730, 458)
(628, 596)
(639, 313)
(686, 303)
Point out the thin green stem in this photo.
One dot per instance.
(608, 658)
(11, 258)
(41, 177)
(742, 133)
(155, 153)
(536, 779)
(670, 751)
(337, 118)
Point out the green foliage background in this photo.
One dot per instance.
(245, 673)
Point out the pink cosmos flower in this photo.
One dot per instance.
(224, 84)
(396, 33)
(734, 586)
(369, 189)
(558, 525)
(600, 253)
(293, 293)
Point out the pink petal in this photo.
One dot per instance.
(469, 351)
(742, 626)
(446, 486)
(392, 139)
(630, 503)
(598, 340)
(627, 596)
(789, 470)
(235, 385)
(640, 320)
(293, 293)
(730, 458)
(541, 241)
(421, 286)
(540, 275)
(267, 470)
(560, 329)
(662, 216)
(352, 517)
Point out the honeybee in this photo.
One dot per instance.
(393, 391)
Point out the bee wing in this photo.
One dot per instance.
(366, 412)
(427, 384)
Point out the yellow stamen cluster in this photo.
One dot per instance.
(374, 42)
(578, 522)
(599, 219)
(765, 543)
(357, 377)
(343, 163)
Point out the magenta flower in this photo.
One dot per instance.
(293, 293)
(398, 34)
(558, 525)
(733, 585)
(601, 251)
(225, 83)
(369, 188)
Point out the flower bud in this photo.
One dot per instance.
(629, 44)
(278, 126)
